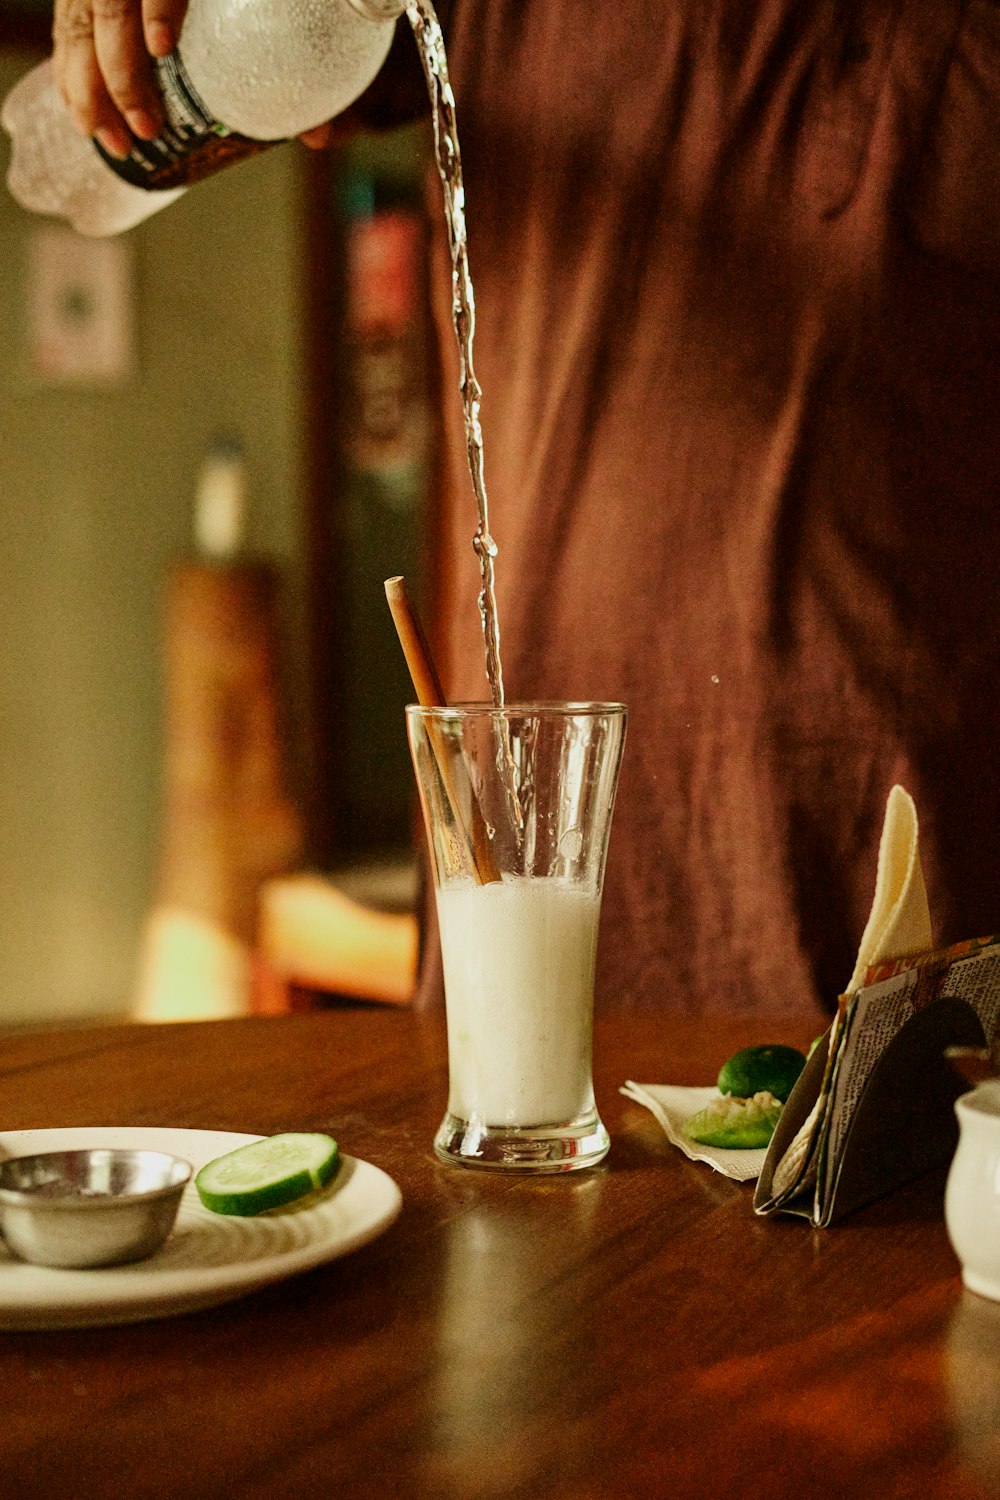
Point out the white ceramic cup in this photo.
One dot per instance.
(972, 1197)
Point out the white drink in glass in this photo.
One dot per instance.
(519, 957)
(517, 806)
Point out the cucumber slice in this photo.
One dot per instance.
(267, 1174)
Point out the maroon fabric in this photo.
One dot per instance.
(737, 266)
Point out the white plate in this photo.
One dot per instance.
(209, 1258)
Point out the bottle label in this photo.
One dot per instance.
(192, 144)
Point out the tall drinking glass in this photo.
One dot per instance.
(517, 807)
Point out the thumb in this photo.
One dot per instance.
(161, 24)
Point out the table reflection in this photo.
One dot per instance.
(972, 1358)
(513, 1314)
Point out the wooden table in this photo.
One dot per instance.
(628, 1331)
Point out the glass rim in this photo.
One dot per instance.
(544, 708)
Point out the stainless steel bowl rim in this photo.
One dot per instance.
(74, 1200)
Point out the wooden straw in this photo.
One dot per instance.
(430, 694)
(426, 682)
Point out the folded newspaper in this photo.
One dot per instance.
(873, 1107)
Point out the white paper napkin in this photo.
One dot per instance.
(899, 925)
(672, 1105)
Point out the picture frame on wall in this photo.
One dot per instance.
(79, 308)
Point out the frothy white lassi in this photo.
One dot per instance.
(519, 957)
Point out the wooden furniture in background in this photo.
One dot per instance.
(227, 821)
(631, 1331)
(316, 944)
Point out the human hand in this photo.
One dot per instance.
(101, 62)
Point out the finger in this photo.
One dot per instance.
(334, 133)
(162, 21)
(316, 138)
(125, 65)
(79, 80)
(74, 65)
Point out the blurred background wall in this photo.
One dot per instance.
(97, 487)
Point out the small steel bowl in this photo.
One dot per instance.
(90, 1208)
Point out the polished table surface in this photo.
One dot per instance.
(628, 1331)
